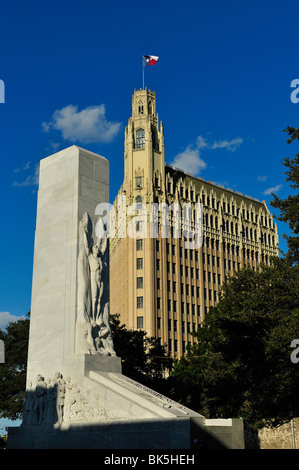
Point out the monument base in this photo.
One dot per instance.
(120, 413)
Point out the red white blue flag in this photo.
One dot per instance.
(150, 59)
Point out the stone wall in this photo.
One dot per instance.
(267, 438)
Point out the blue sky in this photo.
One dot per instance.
(222, 85)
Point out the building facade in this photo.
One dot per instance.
(157, 281)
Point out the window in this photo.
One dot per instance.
(139, 322)
(138, 226)
(140, 139)
(139, 282)
(138, 181)
(140, 303)
(139, 263)
(139, 244)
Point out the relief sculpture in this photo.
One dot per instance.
(93, 328)
(57, 400)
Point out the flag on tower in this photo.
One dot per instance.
(150, 59)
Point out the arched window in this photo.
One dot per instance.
(140, 139)
(138, 199)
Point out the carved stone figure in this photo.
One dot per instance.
(49, 412)
(69, 390)
(93, 329)
(59, 382)
(58, 400)
(28, 405)
(77, 405)
(39, 400)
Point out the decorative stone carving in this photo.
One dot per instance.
(93, 328)
(60, 400)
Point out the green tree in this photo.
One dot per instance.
(289, 207)
(240, 365)
(13, 371)
(143, 358)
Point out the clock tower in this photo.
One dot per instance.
(144, 165)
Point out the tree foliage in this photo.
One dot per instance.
(240, 364)
(13, 371)
(143, 358)
(289, 207)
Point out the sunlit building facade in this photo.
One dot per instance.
(157, 282)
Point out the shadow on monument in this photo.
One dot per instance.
(44, 427)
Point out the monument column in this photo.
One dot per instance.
(72, 182)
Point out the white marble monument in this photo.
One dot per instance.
(76, 394)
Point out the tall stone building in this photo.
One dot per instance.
(157, 283)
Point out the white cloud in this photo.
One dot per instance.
(230, 145)
(273, 189)
(26, 167)
(262, 178)
(6, 317)
(88, 125)
(31, 180)
(190, 159)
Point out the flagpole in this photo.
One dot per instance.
(143, 72)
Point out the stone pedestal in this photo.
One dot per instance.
(119, 413)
